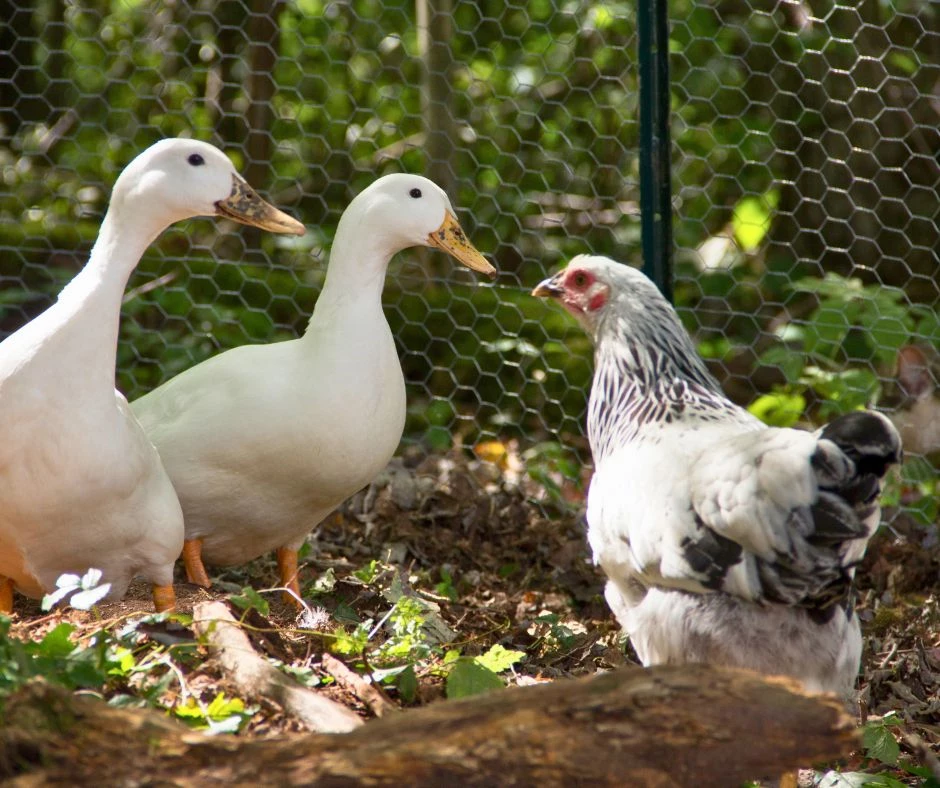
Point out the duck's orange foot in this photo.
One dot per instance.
(164, 598)
(287, 570)
(192, 561)
(6, 595)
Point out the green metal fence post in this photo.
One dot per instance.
(655, 185)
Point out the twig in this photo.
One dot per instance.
(398, 148)
(255, 677)
(361, 688)
(887, 658)
(153, 284)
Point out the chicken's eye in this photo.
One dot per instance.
(580, 280)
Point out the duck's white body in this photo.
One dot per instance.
(319, 417)
(81, 485)
(262, 442)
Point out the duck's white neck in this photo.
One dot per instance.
(355, 277)
(90, 305)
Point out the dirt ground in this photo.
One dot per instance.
(500, 563)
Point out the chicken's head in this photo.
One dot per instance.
(583, 288)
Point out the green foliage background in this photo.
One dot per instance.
(805, 135)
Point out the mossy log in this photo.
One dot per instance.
(667, 726)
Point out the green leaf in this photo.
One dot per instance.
(368, 572)
(437, 438)
(879, 743)
(927, 323)
(903, 62)
(787, 360)
(57, 643)
(831, 286)
(407, 684)
(779, 409)
(440, 413)
(249, 598)
(827, 331)
(718, 348)
(222, 715)
(189, 710)
(350, 643)
(324, 583)
(751, 219)
(125, 661)
(857, 780)
(222, 707)
(498, 659)
(468, 677)
(446, 586)
(888, 334)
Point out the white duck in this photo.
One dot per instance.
(263, 441)
(80, 484)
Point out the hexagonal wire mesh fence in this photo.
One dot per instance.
(805, 177)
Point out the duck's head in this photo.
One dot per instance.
(178, 179)
(409, 210)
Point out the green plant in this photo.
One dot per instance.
(554, 467)
(552, 634)
(916, 487)
(58, 659)
(880, 745)
(853, 329)
(446, 586)
(473, 675)
(220, 715)
(250, 599)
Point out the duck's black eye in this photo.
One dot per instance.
(416, 193)
(196, 159)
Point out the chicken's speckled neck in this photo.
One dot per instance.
(647, 373)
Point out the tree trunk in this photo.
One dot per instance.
(435, 29)
(689, 725)
(259, 85)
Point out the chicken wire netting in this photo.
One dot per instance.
(805, 175)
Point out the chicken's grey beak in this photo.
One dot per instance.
(549, 288)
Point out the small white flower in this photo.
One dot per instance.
(89, 592)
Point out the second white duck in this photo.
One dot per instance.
(263, 441)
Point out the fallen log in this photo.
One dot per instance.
(667, 726)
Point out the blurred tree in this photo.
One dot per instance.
(805, 138)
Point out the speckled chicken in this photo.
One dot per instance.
(724, 540)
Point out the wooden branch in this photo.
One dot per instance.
(668, 726)
(258, 679)
(361, 688)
